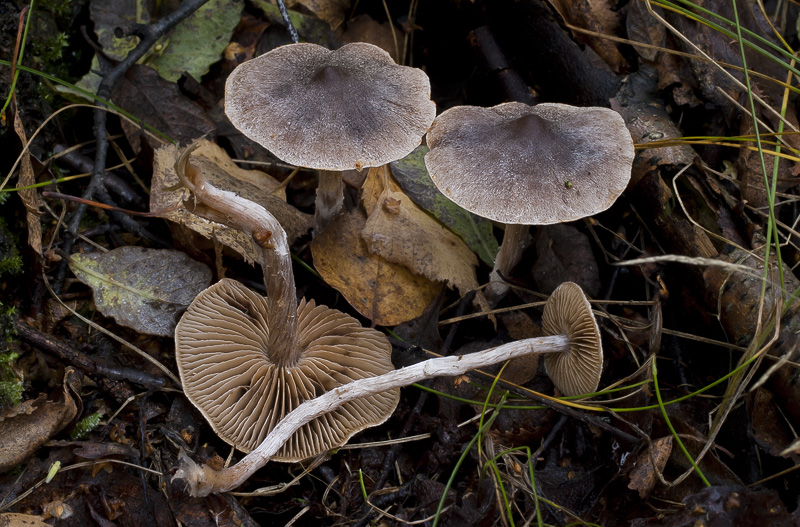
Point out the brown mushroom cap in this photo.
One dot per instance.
(220, 350)
(578, 370)
(330, 110)
(530, 165)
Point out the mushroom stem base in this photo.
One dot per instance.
(204, 480)
(515, 240)
(330, 199)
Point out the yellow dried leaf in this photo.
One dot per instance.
(401, 232)
(384, 292)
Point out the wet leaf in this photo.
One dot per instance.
(145, 289)
(310, 28)
(412, 176)
(223, 173)
(401, 232)
(197, 42)
(108, 16)
(160, 104)
(89, 82)
(563, 253)
(384, 292)
(769, 428)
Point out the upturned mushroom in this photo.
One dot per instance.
(527, 165)
(246, 361)
(338, 110)
(574, 360)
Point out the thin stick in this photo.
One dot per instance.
(288, 22)
(204, 480)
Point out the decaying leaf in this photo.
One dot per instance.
(384, 292)
(223, 173)
(331, 11)
(643, 476)
(364, 28)
(110, 15)
(565, 254)
(413, 178)
(161, 104)
(309, 27)
(15, 519)
(144, 289)
(401, 232)
(29, 196)
(600, 17)
(197, 42)
(25, 407)
(769, 427)
(23, 434)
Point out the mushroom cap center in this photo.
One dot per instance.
(331, 77)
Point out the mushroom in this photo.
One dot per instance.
(576, 369)
(574, 359)
(529, 165)
(332, 111)
(246, 361)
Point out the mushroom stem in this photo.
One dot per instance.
(203, 480)
(515, 240)
(271, 243)
(330, 199)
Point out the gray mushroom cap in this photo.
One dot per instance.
(330, 110)
(530, 165)
(220, 350)
(578, 370)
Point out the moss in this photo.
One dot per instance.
(10, 382)
(10, 259)
(84, 426)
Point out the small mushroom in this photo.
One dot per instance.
(576, 370)
(571, 345)
(529, 165)
(572, 351)
(246, 361)
(332, 111)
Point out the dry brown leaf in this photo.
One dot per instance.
(23, 434)
(331, 11)
(29, 196)
(15, 519)
(597, 16)
(223, 173)
(364, 28)
(644, 475)
(386, 293)
(401, 232)
(25, 407)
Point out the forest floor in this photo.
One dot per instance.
(692, 272)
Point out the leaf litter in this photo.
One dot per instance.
(584, 470)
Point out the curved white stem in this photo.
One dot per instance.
(204, 480)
